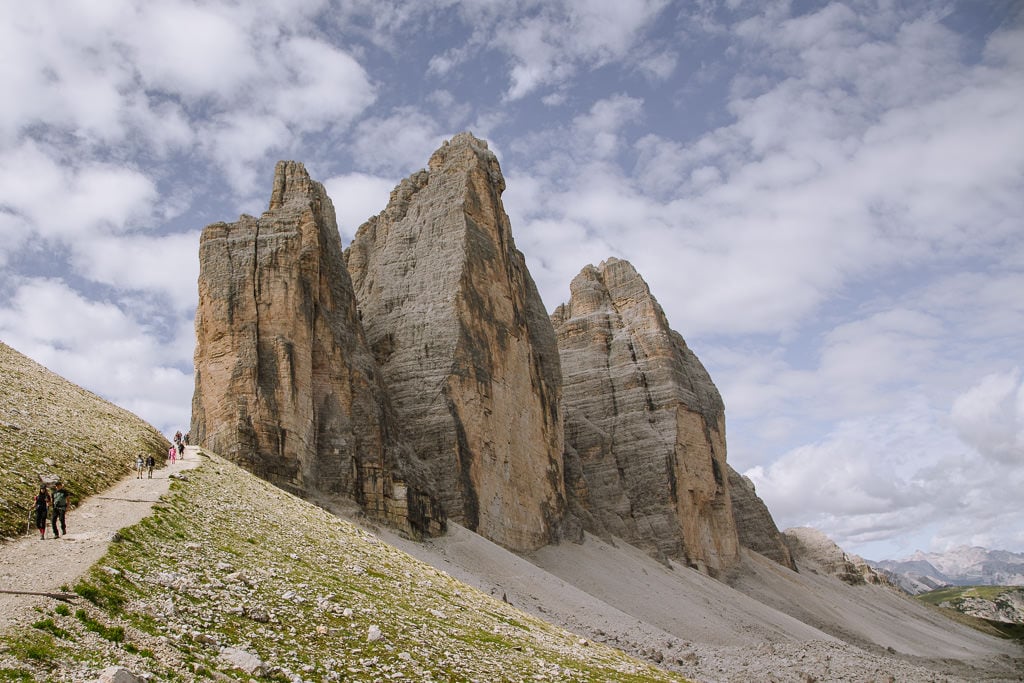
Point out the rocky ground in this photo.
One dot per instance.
(231, 578)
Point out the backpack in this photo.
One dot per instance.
(60, 499)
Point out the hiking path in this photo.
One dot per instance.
(31, 565)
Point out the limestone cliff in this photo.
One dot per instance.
(285, 384)
(754, 524)
(467, 350)
(815, 551)
(644, 425)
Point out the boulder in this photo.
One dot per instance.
(465, 345)
(644, 424)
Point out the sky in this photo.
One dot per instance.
(827, 199)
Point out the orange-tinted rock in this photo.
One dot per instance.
(285, 384)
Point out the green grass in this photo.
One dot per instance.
(229, 561)
(951, 593)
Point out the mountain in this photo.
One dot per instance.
(960, 566)
(285, 382)
(234, 578)
(465, 346)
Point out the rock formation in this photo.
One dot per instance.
(465, 345)
(644, 425)
(754, 524)
(814, 550)
(285, 384)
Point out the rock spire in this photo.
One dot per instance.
(644, 424)
(465, 345)
(285, 384)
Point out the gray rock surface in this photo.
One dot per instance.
(754, 524)
(814, 550)
(467, 350)
(285, 384)
(644, 424)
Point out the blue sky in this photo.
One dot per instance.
(826, 198)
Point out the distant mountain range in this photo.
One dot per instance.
(961, 566)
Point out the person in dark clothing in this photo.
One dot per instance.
(60, 508)
(150, 463)
(42, 506)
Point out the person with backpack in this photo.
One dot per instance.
(150, 463)
(60, 508)
(41, 506)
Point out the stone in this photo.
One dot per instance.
(754, 524)
(465, 345)
(644, 424)
(117, 674)
(285, 384)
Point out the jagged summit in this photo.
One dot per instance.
(645, 426)
(293, 184)
(285, 384)
(465, 345)
(418, 373)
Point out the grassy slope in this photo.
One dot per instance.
(230, 561)
(49, 426)
(954, 594)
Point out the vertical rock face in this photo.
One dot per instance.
(467, 350)
(754, 524)
(644, 425)
(285, 384)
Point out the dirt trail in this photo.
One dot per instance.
(43, 566)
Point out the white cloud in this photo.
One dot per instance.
(887, 477)
(398, 143)
(323, 86)
(357, 197)
(164, 265)
(62, 201)
(990, 417)
(100, 347)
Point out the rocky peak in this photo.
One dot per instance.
(644, 424)
(814, 550)
(285, 384)
(465, 345)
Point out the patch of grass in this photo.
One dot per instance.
(63, 610)
(954, 593)
(33, 646)
(50, 626)
(15, 675)
(114, 634)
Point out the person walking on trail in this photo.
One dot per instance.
(150, 463)
(60, 508)
(172, 454)
(139, 464)
(39, 511)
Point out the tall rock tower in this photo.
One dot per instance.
(285, 384)
(466, 347)
(644, 425)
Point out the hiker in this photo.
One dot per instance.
(60, 508)
(172, 454)
(139, 464)
(41, 506)
(186, 438)
(150, 463)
